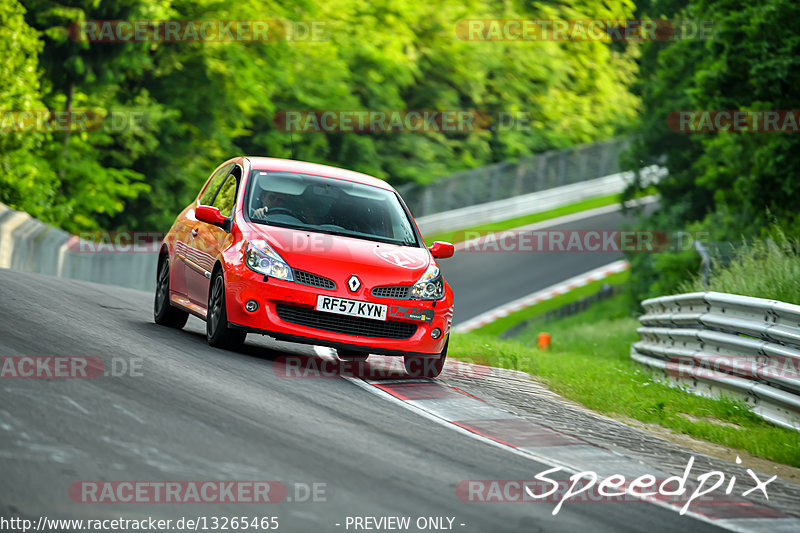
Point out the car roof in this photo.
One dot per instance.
(314, 169)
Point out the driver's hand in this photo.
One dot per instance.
(261, 212)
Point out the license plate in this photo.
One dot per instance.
(342, 306)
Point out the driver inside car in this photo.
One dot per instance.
(269, 200)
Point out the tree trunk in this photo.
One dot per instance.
(68, 109)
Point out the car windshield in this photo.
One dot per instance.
(328, 205)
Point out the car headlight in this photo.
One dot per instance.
(430, 286)
(260, 257)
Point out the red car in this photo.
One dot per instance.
(306, 253)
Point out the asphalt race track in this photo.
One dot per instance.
(190, 412)
(483, 280)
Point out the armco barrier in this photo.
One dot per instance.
(536, 202)
(509, 179)
(724, 344)
(30, 245)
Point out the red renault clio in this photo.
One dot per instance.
(306, 253)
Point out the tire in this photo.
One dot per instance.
(425, 367)
(218, 334)
(350, 355)
(163, 313)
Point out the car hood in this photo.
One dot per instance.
(336, 257)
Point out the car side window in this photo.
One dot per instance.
(227, 195)
(213, 185)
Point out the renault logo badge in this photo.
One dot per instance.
(353, 283)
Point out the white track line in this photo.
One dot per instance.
(539, 296)
(560, 288)
(747, 525)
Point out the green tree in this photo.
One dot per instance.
(26, 181)
(728, 184)
(95, 177)
(206, 101)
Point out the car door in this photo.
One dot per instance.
(208, 239)
(186, 231)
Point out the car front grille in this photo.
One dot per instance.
(307, 278)
(391, 292)
(347, 325)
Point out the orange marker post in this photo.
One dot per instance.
(544, 341)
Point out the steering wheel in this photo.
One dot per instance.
(278, 210)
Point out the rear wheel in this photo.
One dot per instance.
(218, 333)
(425, 367)
(163, 312)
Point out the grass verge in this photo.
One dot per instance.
(502, 324)
(589, 363)
(764, 269)
(585, 205)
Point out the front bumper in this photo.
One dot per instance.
(242, 285)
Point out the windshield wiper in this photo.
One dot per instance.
(355, 235)
(280, 224)
(363, 236)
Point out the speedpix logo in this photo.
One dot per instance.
(588, 486)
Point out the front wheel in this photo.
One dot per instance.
(425, 367)
(163, 313)
(218, 334)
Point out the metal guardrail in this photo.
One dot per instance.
(500, 181)
(536, 202)
(723, 344)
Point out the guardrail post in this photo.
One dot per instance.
(706, 261)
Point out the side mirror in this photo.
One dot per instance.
(442, 250)
(209, 214)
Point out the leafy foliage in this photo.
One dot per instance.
(731, 185)
(199, 103)
(26, 179)
(767, 268)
